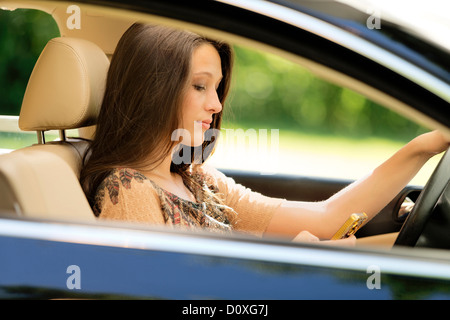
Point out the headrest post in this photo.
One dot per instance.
(40, 137)
(62, 135)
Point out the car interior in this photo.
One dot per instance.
(65, 91)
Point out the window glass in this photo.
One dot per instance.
(280, 118)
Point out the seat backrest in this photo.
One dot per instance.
(64, 91)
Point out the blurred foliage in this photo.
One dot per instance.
(23, 35)
(280, 93)
(268, 91)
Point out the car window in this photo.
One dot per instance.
(23, 34)
(281, 118)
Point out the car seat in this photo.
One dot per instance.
(65, 91)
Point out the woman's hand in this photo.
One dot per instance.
(306, 236)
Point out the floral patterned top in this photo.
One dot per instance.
(221, 205)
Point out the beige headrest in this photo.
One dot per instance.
(66, 87)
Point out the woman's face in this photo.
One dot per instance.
(201, 101)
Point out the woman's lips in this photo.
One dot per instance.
(206, 124)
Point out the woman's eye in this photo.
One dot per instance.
(199, 87)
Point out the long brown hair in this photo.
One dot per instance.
(141, 108)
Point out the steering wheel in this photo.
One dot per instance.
(415, 222)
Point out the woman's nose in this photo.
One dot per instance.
(214, 105)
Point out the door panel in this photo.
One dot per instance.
(40, 269)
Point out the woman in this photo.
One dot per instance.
(165, 86)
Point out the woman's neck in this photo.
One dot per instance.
(162, 170)
(168, 180)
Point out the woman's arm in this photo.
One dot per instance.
(369, 194)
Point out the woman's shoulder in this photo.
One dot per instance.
(122, 177)
(208, 172)
(213, 178)
(121, 182)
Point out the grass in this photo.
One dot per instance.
(13, 140)
(307, 154)
(16, 140)
(294, 152)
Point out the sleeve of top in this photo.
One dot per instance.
(136, 201)
(254, 210)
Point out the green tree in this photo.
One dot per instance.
(271, 91)
(23, 35)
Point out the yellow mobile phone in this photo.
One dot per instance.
(353, 223)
